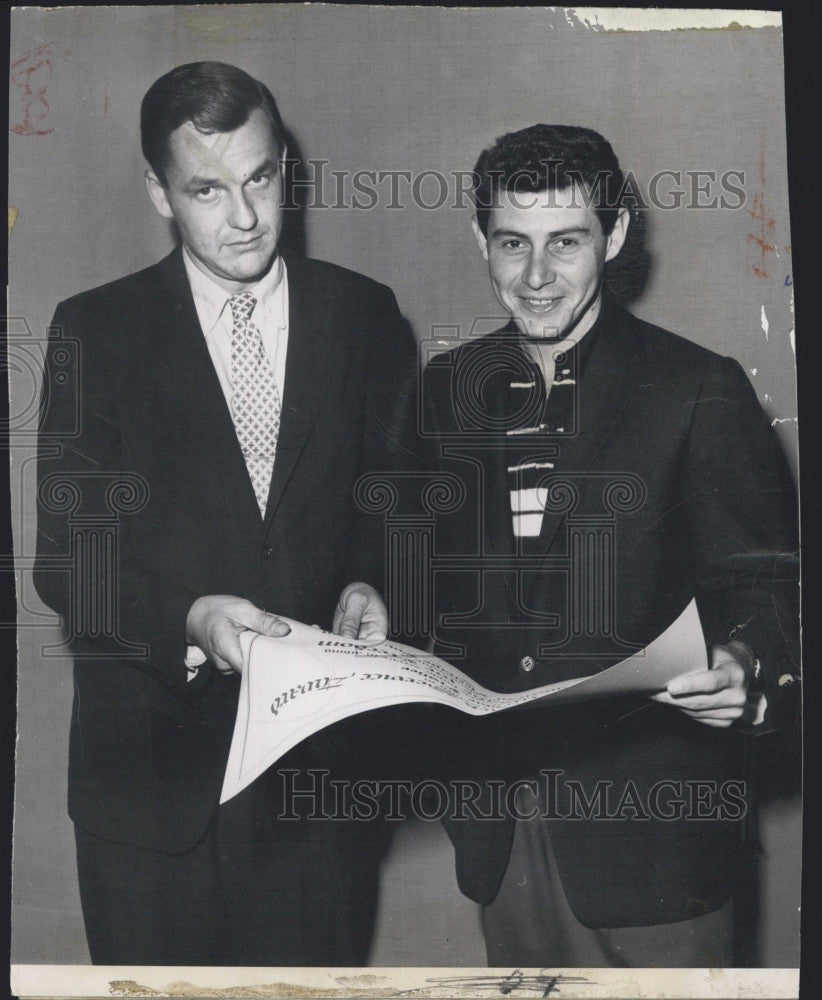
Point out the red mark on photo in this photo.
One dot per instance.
(762, 239)
(31, 74)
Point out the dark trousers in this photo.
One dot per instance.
(255, 891)
(530, 924)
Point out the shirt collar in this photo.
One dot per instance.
(211, 299)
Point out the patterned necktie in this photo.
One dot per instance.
(255, 400)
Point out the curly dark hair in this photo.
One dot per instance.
(550, 158)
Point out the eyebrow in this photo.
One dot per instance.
(497, 233)
(198, 181)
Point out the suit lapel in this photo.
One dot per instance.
(188, 372)
(494, 489)
(499, 530)
(307, 372)
(605, 388)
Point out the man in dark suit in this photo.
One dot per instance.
(197, 464)
(613, 471)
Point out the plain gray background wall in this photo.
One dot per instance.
(384, 89)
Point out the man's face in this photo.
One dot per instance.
(225, 192)
(546, 252)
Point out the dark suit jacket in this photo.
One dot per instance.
(669, 461)
(148, 746)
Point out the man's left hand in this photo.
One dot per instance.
(361, 614)
(718, 696)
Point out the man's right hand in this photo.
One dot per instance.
(215, 622)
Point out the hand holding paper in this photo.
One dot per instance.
(717, 696)
(215, 623)
(361, 614)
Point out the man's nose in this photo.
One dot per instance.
(241, 212)
(539, 270)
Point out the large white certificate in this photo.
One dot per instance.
(294, 686)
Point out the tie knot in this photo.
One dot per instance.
(242, 306)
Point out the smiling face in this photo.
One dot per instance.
(546, 252)
(225, 192)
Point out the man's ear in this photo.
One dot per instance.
(282, 163)
(158, 195)
(617, 235)
(480, 235)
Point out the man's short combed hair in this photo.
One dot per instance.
(214, 96)
(550, 158)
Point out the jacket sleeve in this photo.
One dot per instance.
(113, 604)
(742, 514)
